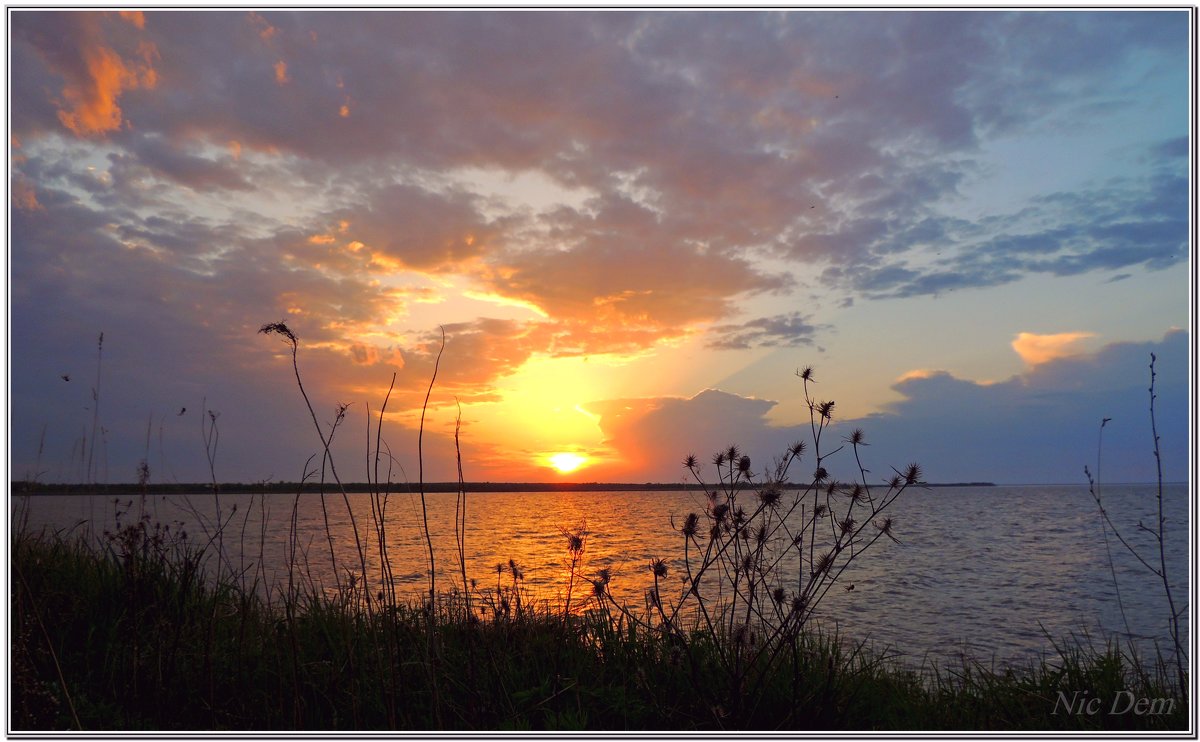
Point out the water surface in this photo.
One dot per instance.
(989, 571)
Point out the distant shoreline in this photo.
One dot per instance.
(232, 488)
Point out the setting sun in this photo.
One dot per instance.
(566, 462)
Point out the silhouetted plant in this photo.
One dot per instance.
(95, 410)
(1158, 533)
(764, 554)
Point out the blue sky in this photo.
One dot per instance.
(633, 227)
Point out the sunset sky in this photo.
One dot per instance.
(633, 228)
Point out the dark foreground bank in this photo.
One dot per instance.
(134, 637)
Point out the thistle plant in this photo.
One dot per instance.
(766, 551)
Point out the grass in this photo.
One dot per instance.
(132, 637)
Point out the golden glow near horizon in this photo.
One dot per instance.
(566, 462)
(544, 400)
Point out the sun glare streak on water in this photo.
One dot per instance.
(991, 572)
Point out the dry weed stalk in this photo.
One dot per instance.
(1158, 533)
(765, 553)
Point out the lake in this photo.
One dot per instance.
(986, 571)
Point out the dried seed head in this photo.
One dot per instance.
(719, 511)
(857, 437)
(806, 373)
(743, 464)
(718, 458)
(847, 525)
(885, 526)
(769, 496)
(820, 474)
(778, 595)
(690, 461)
(912, 473)
(689, 525)
(819, 510)
(281, 329)
(797, 448)
(659, 568)
(732, 453)
(825, 409)
(824, 562)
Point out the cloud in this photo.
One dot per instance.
(1036, 427)
(653, 435)
(622, 269)
(152, 154)
(730, 149)
(1125, 223)
(169, 188)
(24, 195)
(91, 104)
(96, 62)
(791, 329)
(135, 17)
(404, 225)
(1037, 349)
(1041, 425)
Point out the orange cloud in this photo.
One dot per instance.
(1036, 349)
(136, 17)
(919, 373)
(24, 196)
(281, 75)
(265, 29)
(91, 103)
